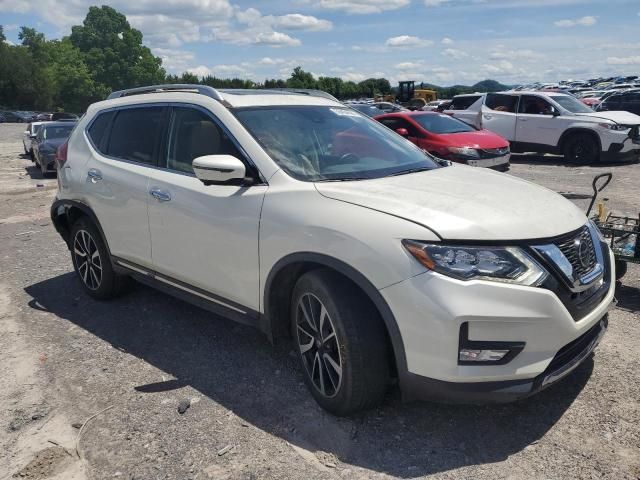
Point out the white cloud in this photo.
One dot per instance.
(634, 60)
(454, 53)
(446, 41)
(200, 71)
(276, 39)
(405, 41)
(434, 3)
(362, 7)
(271, 61)
(222, 70)
(587, 21)
(296, 21)
(173, 60)
(408, 66)
(515, 55)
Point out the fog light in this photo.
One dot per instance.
(467, 355)
(473, 352)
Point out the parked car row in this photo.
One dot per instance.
(42, 139)
(7, 116)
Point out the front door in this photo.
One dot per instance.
(204, 236)
(538, 122)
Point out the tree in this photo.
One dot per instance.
(2, 36)
(113, 51)
(301, 79)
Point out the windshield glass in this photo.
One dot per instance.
(436, 123)
(368, 110)
(572, 104)
(313, 143)
(58, 132)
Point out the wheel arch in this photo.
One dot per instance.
(279, 286)
(65, 212)
(575, 131)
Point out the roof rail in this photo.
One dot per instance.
(179, 87)
(307, 91)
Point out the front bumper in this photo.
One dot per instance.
(497, 163)
(430, 309)
(569, 358)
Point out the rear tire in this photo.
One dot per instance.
(340, 340)
(581, 148)
(92, 262)
(621, 269)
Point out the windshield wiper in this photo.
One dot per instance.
(412, 170)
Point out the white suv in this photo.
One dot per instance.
(549, 122)
(306, 219)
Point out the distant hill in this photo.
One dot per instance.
(490, 86)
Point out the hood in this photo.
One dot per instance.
(53, 143)
(465, 203)
(480, 139)
(623, 118)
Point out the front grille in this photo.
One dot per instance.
(583, 262)
(493, 152)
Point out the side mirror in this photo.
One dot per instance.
(218, 169)
(402, 131)
(555, 112)
(33, 135)
(26, 132)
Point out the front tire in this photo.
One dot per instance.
(340, 341)
(92, 263)
(581, 148)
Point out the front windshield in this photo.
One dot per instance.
(58, 132)
(572, 104)
(314, 143)
(441, 123)
(369, 110)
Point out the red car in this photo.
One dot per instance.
(446, 137)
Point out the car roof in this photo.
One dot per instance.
(231, 98)
(58, 124)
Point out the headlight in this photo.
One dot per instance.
(498, 264)
(614, 126)
(466, 152)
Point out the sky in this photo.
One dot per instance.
(444, 42)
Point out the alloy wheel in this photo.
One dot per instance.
(319, 346)
(87, 259)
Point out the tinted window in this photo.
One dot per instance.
(441, 123)
(135, 134)
(462, 103)
(502, 103)
(98, 129)
(193, 134)
(534, 105)
(331, 143)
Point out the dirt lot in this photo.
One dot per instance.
(65, 357)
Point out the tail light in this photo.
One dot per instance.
(61, 155)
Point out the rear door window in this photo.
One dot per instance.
(135, 134)
(501, 102)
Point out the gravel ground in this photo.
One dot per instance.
(65, 357)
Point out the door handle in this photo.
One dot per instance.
(160, 195)
(522, 119)
(94, 175)
(487, 116)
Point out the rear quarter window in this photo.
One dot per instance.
(462, 103)
(98, 129)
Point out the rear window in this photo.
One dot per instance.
(462, 103)
(98, 129)
(135, 134)
(58, 131)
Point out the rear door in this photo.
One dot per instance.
(204, 236)
(499, 114)
(126, 143)
(468, 109)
